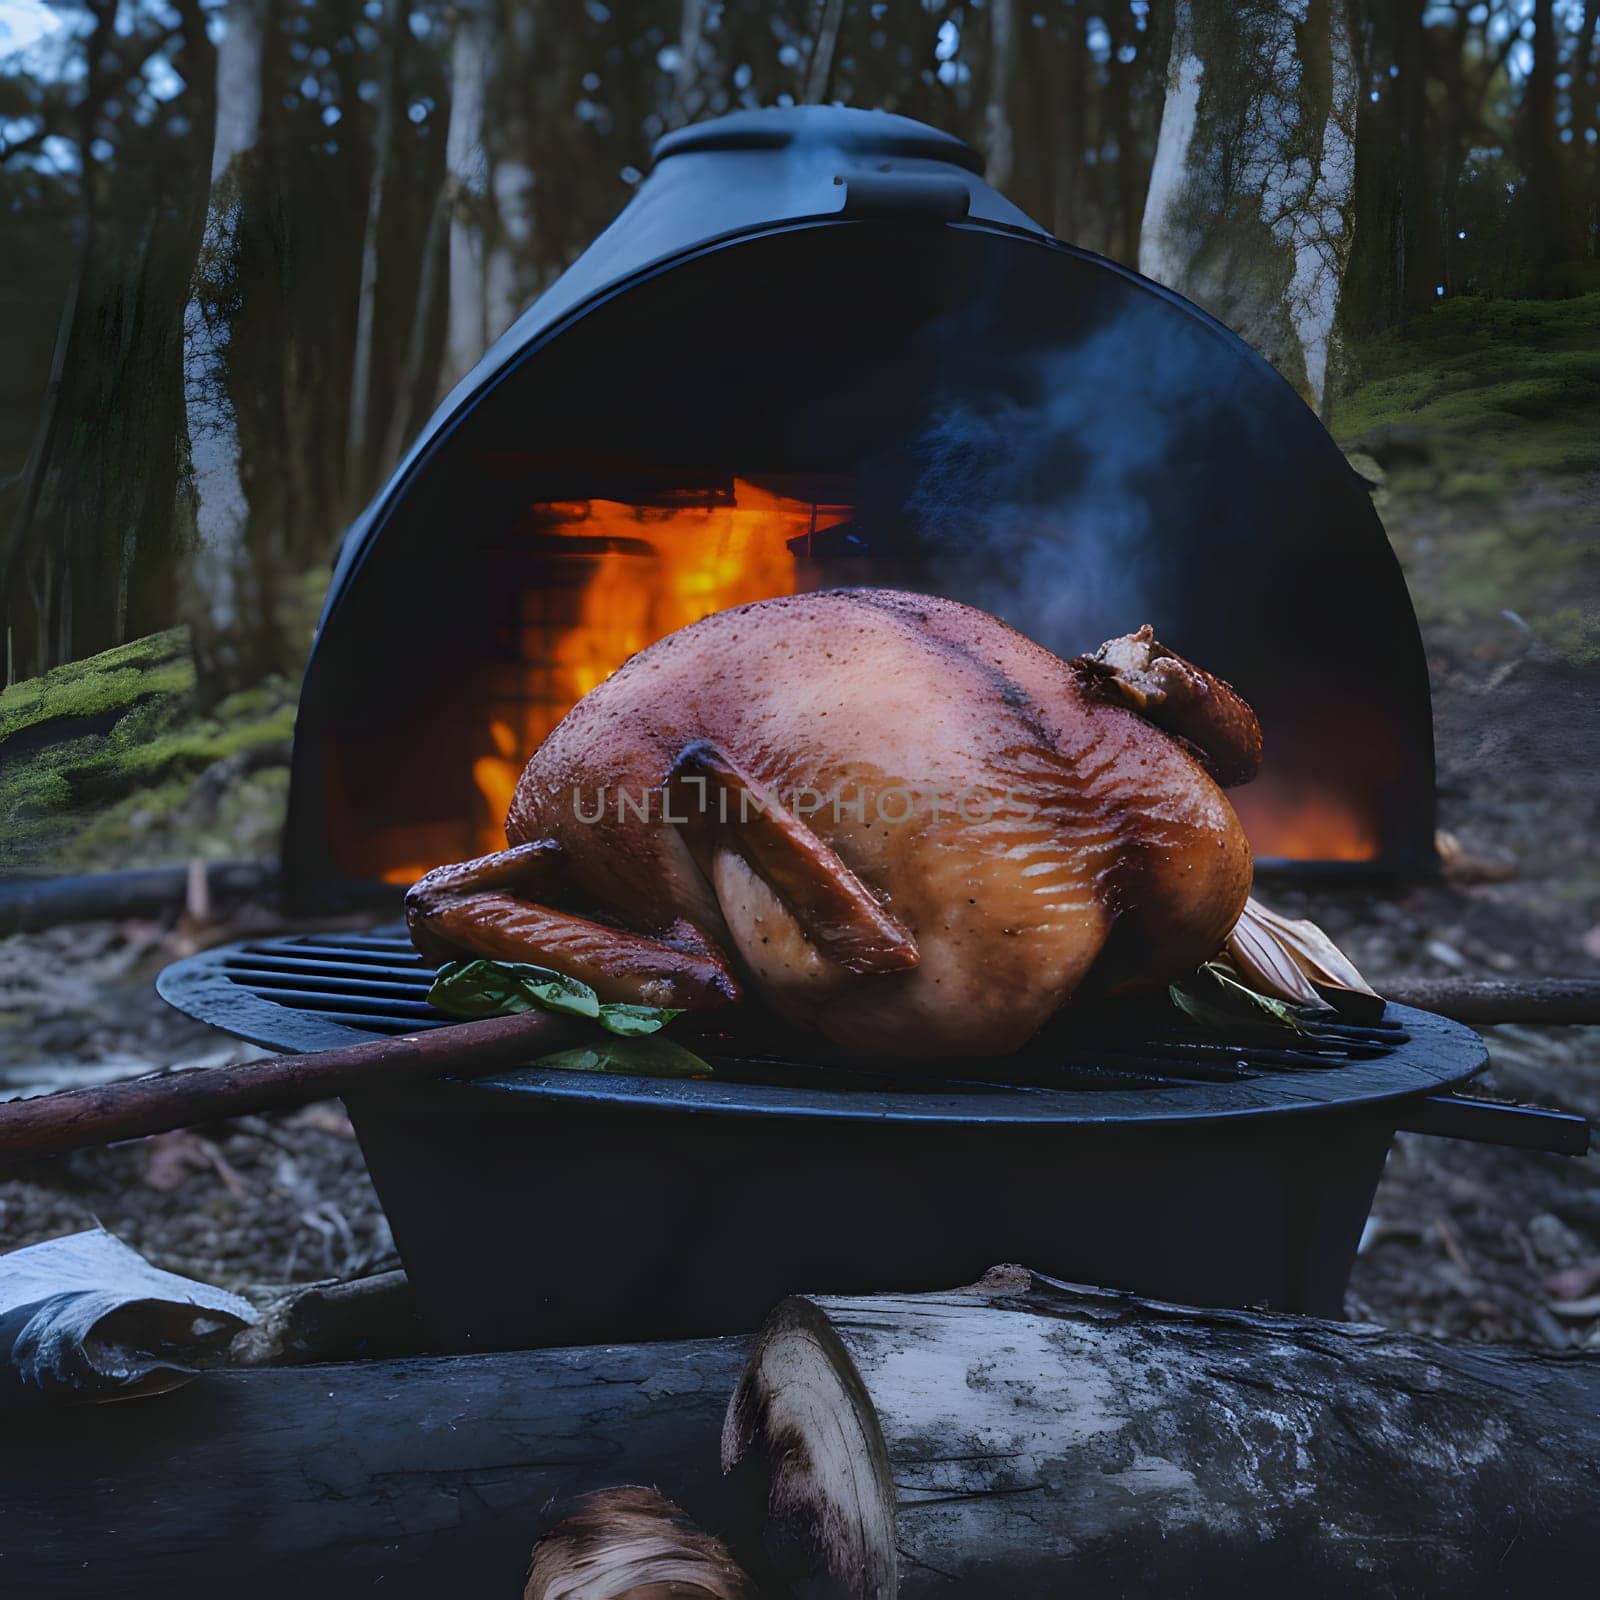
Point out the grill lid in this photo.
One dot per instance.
(315, 991)
(839, 131)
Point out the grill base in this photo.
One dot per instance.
(529, 1221)
(547, 1207)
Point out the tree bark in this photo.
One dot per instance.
(824, 47)
(687, 99)
(1070, 104)
(467, 166)
(1248, 206)
(234, 617)
(411, 389)
(1546, 174)
(409, 1479)
(999, 143)
(358, 433)
(1031, 1439)
(511, 273)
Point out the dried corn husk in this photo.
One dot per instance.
(1295, 960)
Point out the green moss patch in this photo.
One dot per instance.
(1483, 420)
(110, 683)
(122, 794)
(1515, 383)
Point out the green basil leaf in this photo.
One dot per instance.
(644, 1058)
(502, 988)
(474, 989)
(633, 1021)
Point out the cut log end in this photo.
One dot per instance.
(802, 1414)
(632, 1543)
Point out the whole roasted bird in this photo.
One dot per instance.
(892, 817)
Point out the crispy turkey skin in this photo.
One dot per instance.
(890, 817)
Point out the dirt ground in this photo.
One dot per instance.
(1465, 1240)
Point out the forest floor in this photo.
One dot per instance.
(1482, 438)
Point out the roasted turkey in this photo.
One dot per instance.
(890, 817)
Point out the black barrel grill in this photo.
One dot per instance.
(827, 311)
(546, 1206)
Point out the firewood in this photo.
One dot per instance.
(1024, 1439)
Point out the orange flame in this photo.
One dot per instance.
(649, 572)
(1299, 823)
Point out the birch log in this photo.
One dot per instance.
(1248, 208)
(1022, 1438)
(819, 70)
(467, 169)
(998, 142)
(511, 267)
(221, 509)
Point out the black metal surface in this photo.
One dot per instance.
(527, 1220)
(309, 992)
(1022, 425)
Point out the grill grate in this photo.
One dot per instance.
(313, 991)
(378, 983)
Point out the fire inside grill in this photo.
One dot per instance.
(585, 584)
(902, 383)
(612, 578)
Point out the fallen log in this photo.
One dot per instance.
(1536, 1000)
(406, 1479)
(71, 1119)
(1023, 1440)
(28, 903)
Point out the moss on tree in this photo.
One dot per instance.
(98, 761)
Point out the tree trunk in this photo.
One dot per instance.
(1248, 206)
(687, 98)
(89, 555)
(232, 616)
(999, 143)
(819, 70)
(467, 166)
(1586, 70)
(1071, 124)
(409, 391)
(21, 568)
(1031, 1439)
(358, 433)
(1546, 175)
(1421, 241)
(1163, 243)
(512, 272)
(408, 1479)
